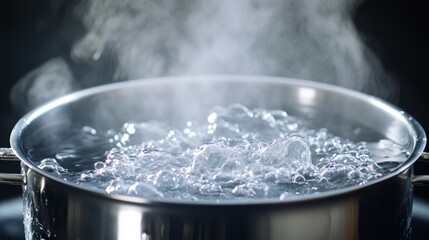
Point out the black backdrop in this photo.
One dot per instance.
(32, 32)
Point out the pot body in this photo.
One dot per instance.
(56, 209)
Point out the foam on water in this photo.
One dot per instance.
(236, 154)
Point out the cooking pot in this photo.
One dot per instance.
(57, 209)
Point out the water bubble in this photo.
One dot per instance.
(211, 156)
(237, 154)
(99, 165)
(66, 155)
(118, 186)
(285, 195)
(355, 174)
(130, 127)
(90, 130)
(283, 175)
(143, 189)
(346, 159)
(210, 189)
(252, 190)
(212, 118)
(51, 165)
(284, 151)
(298, 178)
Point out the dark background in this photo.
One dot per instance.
(32, 32)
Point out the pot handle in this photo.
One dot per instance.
(6, 154)
(421, 180)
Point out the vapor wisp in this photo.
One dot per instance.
(313, 40)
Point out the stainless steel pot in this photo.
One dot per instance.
(56, 209)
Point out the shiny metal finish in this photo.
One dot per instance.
(422, 180)
(7, 154)
(425, 156)
(12, 178)
(55, 209)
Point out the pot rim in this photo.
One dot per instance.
(420, 141)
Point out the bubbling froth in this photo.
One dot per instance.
(236, 154)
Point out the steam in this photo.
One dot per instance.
(50, 80)
(313, 40)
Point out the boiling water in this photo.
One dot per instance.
(236, 154)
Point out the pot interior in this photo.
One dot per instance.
(345, 113)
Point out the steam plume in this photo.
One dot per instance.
(314, 40)
(50, 80)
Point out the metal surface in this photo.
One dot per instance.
(422, 180)
(7, 154)
(56, 209)
(425, 156)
